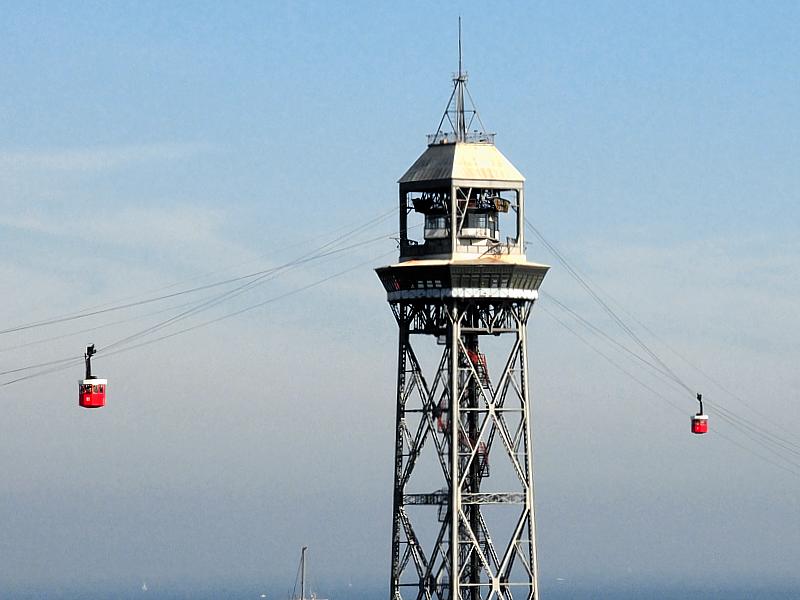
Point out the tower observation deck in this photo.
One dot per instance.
(461, 294)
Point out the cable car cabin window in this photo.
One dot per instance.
(480, 225)
(436, 226)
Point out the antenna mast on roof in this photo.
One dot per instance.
(456, 112)
(460, 80)
(459, 44)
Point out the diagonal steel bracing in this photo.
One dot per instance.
(476, 540)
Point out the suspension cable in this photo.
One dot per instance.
(98, 310)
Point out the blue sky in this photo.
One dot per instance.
(145, 144)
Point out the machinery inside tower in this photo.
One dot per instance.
(480, 217)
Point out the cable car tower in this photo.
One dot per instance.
(461, 294)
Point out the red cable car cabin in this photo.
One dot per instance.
(700, 423)
(91, 390)
(700, 420)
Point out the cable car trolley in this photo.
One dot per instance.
(700, 420)
(91, 390)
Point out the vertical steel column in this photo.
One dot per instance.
(397, 501)
(403, 217)
(522, 335)
(455, 471)
(453, 218)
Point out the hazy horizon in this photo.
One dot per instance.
(150, 147)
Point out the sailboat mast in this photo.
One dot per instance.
(303, 573)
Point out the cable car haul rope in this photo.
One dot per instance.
(94, 396)
(783, 451)
(779, 450)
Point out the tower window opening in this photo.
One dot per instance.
(436, 227)
(507, 216)
(480, 225)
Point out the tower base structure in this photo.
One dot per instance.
(463, 515)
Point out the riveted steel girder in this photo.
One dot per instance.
(463, 423)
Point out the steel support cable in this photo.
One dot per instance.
(667, 370)
(70, 362)
(313, 255)
(610, 360)
(97, 327)
(195, 309)
(102, 311)
(217, 300)
(702, 372)
(304, 242)
(98, 311)
(774, 438)
(75, 362)
(446, 114)
(606, 308)
(245, 309)
(375, 220)
(475, 111)
(117, 322)
(669, 347)
(602, 334)
(760, 441)
(766, 459)
(236, 292)
(48, 363)
(747, 433)
(63, 360)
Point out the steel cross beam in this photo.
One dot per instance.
(452, 423)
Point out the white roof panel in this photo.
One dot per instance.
(462, 160)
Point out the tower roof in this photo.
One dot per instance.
(463, 161)
(463, 155)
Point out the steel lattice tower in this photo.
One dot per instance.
(462, 296)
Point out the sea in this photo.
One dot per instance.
(755, 591)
